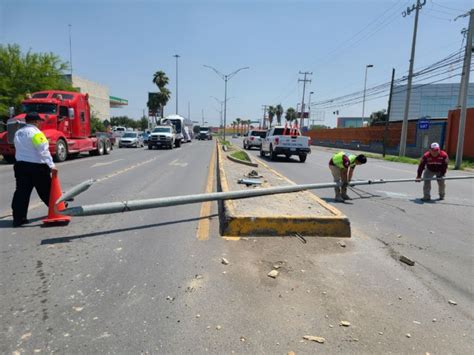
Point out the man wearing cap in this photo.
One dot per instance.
(436, 162)
(342, 167)
(32, 167)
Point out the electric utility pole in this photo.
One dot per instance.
(403, 137)
(302, 100)
(463, 92)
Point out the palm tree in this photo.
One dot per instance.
(238, 120)
(160, 79)
(279, 112)
(290, 114)
(163, 98)
(271, 114)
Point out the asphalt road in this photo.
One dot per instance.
(153, 281)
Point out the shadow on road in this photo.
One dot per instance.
(118, 230)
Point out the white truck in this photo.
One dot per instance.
(284, 141)
(162, 136)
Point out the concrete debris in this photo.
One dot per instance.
(169, 298)
(399, 298)
(208, 327)
(407, 261)
(242, 339)
(416, 322)
(331, 326)
(291, 353)
(198, 316)
(78, 309)
(344, 323)
(341, 244)
(198, 277)
(224, 272)
(408, 335)
(273, 274)
(320, 340)
(276, 266)
(399, 236)
(434, 320)
(380, 333)
(225, 261)
(218, 327)
(25, 336)
(452, 302)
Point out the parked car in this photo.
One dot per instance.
(131, 139)
(254, 138)
(287, 142)
(145, 136)
(162, 136)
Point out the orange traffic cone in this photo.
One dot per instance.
(54, 195)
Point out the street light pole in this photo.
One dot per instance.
(365, 88)
(176, 56)
(309, 108)
(225, 77)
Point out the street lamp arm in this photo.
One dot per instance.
(222, 76)
(235, 72)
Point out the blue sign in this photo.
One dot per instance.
(423, 124)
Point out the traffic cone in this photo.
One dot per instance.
(54, 195)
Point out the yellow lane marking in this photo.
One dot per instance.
(204, 221)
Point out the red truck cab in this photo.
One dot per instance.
(66, 125)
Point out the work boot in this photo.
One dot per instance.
(339, 198)
(344, 193)
(441, 197)
(426, 198)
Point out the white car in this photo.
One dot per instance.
(254, 138)
(287, 142)
(163, 136)
(131, 139)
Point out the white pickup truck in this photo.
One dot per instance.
(283, 141)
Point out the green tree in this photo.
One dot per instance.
(279, 112)
(161, 80)
(96, 124)
(22, 73)
(378, 117)
(290, 114)
(271, 114)
(143, 123)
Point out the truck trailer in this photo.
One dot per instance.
(65, 123)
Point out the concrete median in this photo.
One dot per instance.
(273, 215)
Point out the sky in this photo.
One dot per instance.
(122, 43)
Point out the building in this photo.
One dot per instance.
(434, 100)
(350, 122)
(99, 97)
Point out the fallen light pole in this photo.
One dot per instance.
(135, 205)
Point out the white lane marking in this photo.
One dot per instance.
(177, 163)
(106, 163)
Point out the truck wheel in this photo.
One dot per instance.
(61, 151)
(302, 158)
(10, 159)
(178, 143)
(262, 153)
(272, 154)
(100, 148)
(150, 146)
(108, 147)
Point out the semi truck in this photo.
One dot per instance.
(65, 123)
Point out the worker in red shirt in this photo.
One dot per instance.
(436, 162)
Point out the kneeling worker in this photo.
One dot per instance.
(32, 167)
(342, 167)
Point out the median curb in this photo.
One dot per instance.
(235, 160)
(251, 223)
